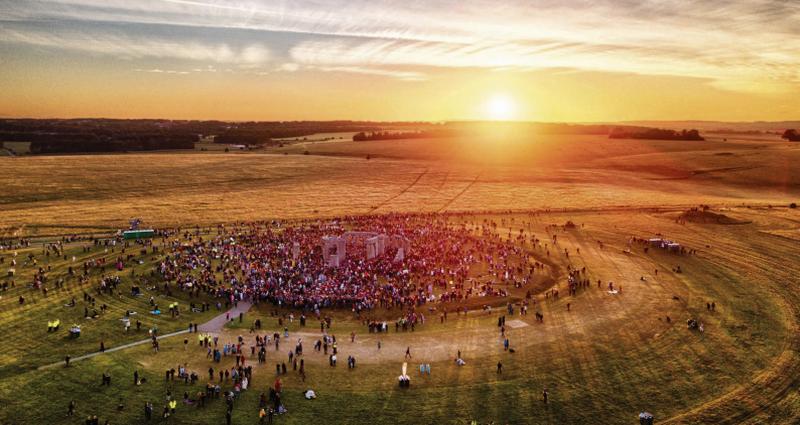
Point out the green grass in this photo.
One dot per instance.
(602, 363)
(28, 322)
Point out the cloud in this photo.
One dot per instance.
(288, 67)
(381, 72)
(125, 46)
(502, 56)
(162, 71)
(400, 75)
(736, 44)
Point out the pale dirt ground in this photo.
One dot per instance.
(593, 312)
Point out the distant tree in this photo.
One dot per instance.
(791, 135)
(692, 135)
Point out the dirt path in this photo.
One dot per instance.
(214, 325)
(111, 350)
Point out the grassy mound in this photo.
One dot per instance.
(705, 216)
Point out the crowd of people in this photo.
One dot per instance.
(259, 261)
(449, 262)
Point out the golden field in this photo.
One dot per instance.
(104, 191)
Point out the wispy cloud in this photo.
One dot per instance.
(736, 44)
(400, 75)
(162, 71)
(126, 46)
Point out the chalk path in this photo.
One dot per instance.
(214, 325)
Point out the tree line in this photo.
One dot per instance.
(655, 134)
(396, 135)
(80, 143)
(116, 135)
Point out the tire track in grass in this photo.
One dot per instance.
(397, 195)
(771, 385)
(444, 180)
(463, 191)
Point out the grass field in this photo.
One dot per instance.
(53, 194)
(603, 361)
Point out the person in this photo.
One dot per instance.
(544, 396)
(135, 377)
(499, 367)
(148, 411)
(66, 360)
(302, 370)
(408, 352)
(71, 408)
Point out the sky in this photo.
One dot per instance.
(432, 60)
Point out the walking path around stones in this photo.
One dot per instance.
(214, 325)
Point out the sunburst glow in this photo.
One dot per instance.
(501, 107)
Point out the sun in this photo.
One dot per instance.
(500, 107)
